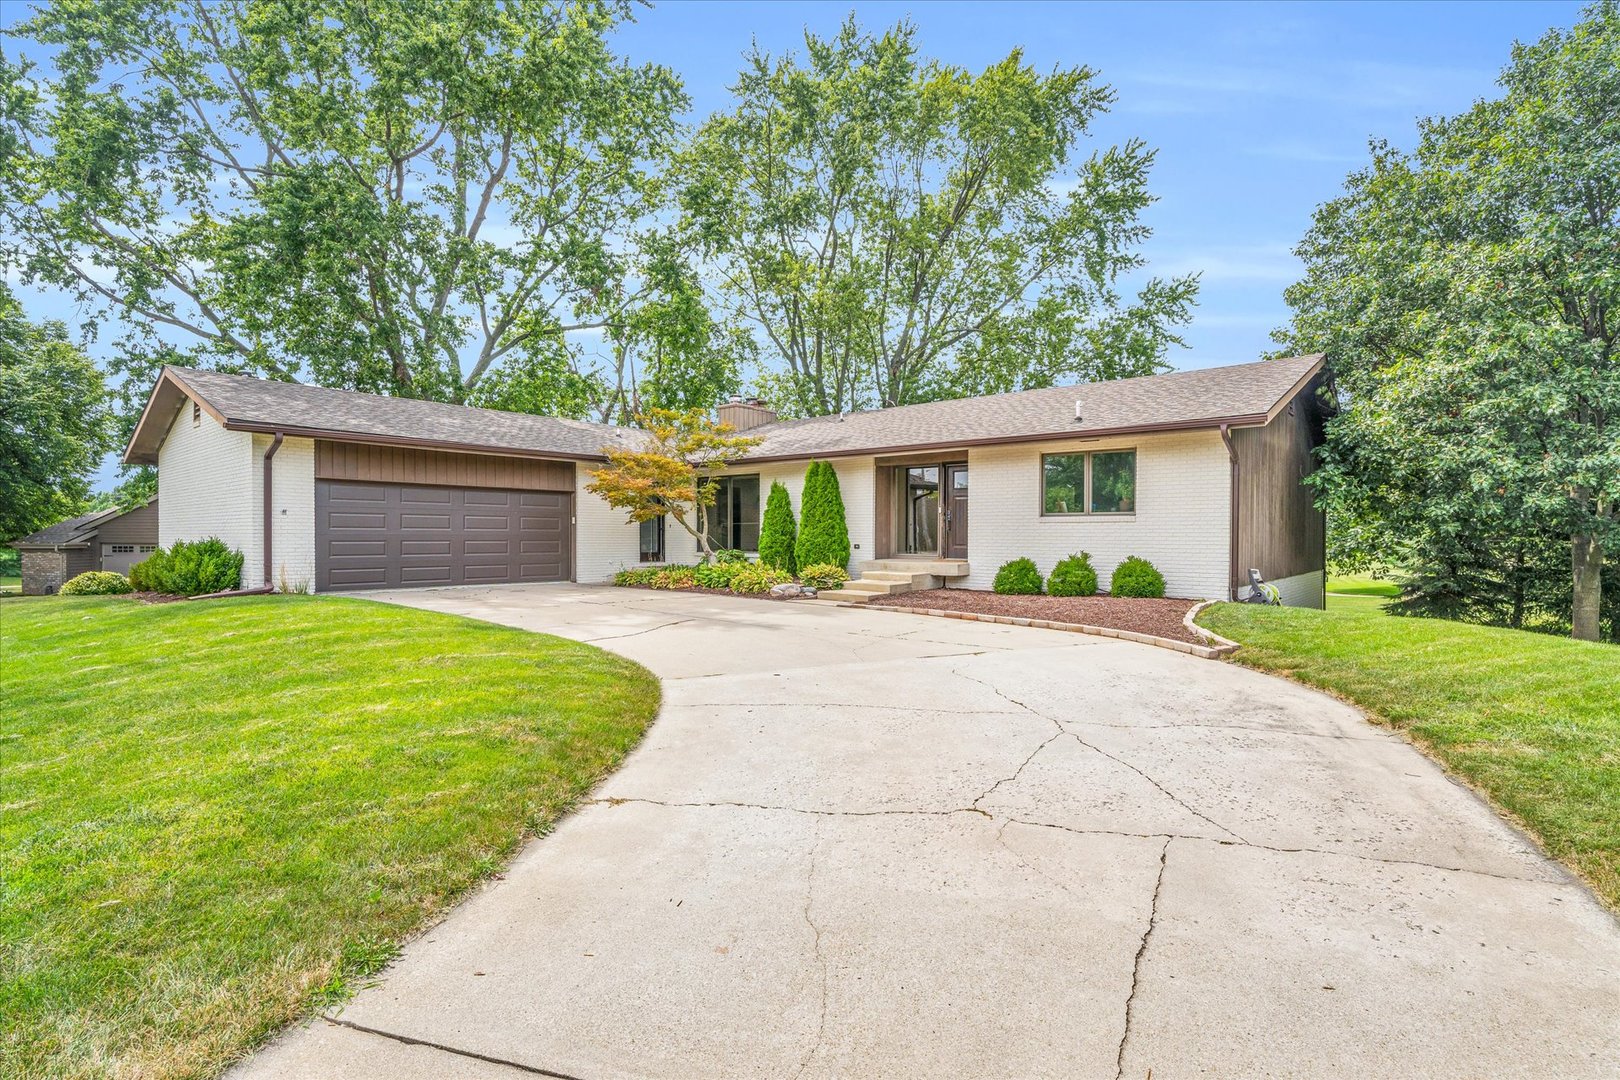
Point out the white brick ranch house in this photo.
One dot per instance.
(1198, 471)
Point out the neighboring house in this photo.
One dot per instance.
(1199, 471)
(109, 539)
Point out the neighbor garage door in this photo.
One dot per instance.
(374, 536)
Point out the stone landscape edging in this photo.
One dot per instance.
(1206, 652)
(1226, 645)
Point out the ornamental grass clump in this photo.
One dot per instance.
(1074, 576)
(1136, 577)
(1020, 577)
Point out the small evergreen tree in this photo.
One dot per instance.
(777, 533)
(823, 532)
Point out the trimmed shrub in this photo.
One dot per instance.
(824, 576)
(823, 532)
(1074, 576)
(1136, 577)
(150, 573)
(778, 533)
(754, 578)
(97, 583)
(1021, 577)
(189, 568)
(730, 555)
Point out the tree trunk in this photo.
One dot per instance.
(1586, 560)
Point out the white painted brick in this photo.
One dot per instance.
(1181, 521)
(292, 514)
(856, 484)
(1301, 590)
(206, 487)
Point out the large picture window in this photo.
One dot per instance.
(1097, 482)
(734, 517)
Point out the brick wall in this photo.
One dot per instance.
(1180, 524)
(292, 514)
(1301, 590)
(855, 484)
(43, 572)
(206, 486)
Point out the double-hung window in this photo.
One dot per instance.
(1092, 482)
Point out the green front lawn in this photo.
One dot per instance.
(10, 584)
(217, 816)
(1531, 720)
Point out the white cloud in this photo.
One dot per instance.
(1274, 263)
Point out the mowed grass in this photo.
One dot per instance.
(215, 817)
(1531, 720)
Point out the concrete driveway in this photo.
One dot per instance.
(860, 843)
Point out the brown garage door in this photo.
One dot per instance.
(375, 536)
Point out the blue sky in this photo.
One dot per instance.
(1257, 110)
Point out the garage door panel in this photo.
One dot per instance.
(381, 535)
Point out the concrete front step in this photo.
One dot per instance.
(944, 568)
(847, 596)
(867, 585)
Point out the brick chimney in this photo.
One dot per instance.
(745, 414)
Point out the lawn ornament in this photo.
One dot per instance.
(1261, 591)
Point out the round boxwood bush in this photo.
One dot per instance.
(97, 583)
(1020, 577)
(824, 576)
(1136, 577)
(1073, 576)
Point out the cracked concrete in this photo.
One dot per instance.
(849, 848)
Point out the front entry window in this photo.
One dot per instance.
(921, 536)
(652, 540)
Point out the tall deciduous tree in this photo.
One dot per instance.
(897, 230)
(1468, 296)
(674, 472)
(53, 423)
(396, 195)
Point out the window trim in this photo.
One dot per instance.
(1086, 511)
(725, 480)
(663, 542)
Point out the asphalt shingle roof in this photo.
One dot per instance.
(266, 403)
(67, 533)
(1187, 399)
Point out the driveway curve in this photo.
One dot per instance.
(860, 843)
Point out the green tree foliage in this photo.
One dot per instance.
(189, 568)
(777, 532)
(823, 532)
(53, 423)
(1466, 294)
(394, 195)
(901, 230)
(96, 583)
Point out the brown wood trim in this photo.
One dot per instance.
(359, 438)
(1279, 530)
(936, 457)
(374, 463)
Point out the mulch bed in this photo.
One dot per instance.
(1161, 618)
(154, 597)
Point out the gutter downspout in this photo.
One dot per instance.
(1232, 529)
(269, 452)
